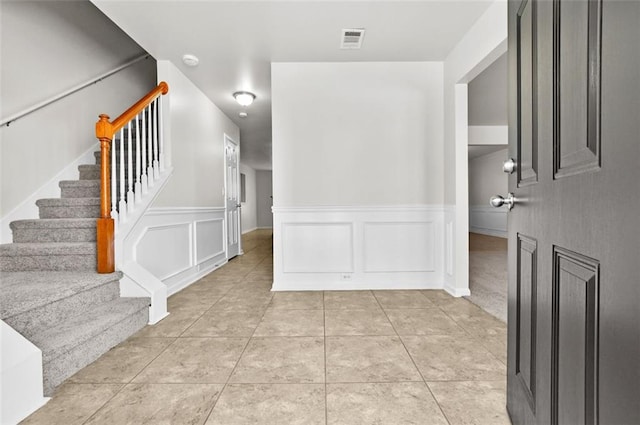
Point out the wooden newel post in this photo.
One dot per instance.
(105, 229)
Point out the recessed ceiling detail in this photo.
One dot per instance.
(352, 38)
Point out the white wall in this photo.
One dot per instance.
(488, 95)
(249, 209)
(485, 41)
(182, 237)
(196, 142)
(357, 175)
(264, 182)
(486, 179)
(47, 48)
(357, 133)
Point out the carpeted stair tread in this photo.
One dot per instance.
(53, 256)
(69, 207)
(54, 223)
(126, 317)
(57, 340)
(79, 183)
(54, 230)
(67, 202)
(79, 188)
(26, 291)
(48, 249)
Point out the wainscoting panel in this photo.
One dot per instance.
(350, 248)
(179, 245)
(408, 247)
(175, 255)
(209, 239)
(317, 247)
(487, 220)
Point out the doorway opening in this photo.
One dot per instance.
(487, 152)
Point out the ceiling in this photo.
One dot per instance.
(488, 95)
(236, 41)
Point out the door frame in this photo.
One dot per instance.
(229, 139)
(461, 146)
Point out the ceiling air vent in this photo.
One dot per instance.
(352, 38)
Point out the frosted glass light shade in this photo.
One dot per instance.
(244, 98)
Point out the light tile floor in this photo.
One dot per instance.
(232, 352)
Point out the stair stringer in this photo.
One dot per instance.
(21, 383)
(138, 281)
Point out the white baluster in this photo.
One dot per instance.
(114, 184)
(122, 205)
(156, 165)
(131, 202)
(161, 135)
(145, 187)
(150, 173)
(138, 186)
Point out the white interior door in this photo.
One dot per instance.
(232, 190)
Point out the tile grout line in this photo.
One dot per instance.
(473, 337)
(215, 403)
(413, 361)
(324, 344)
(131, 380)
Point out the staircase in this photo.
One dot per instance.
(51, 292)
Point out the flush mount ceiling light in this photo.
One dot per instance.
(244, 98)
(190, 60)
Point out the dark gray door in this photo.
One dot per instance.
(574, 230)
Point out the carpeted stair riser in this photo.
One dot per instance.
(54, 230)
(80, 188)
(48, 256)
(31, 322)
(60, 303)
(69, 208)
(89, 172)
(60, 364)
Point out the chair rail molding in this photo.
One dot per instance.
(358, 247)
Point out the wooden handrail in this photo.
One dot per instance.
(105, 130)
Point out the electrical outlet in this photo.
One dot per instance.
(346, 276)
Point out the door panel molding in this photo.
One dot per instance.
(527, 93)
(574, 348)
(579, 27)
(526, 316)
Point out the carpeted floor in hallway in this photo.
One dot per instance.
(233, 352)
(488, 274)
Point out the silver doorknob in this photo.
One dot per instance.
(497, 201)
(509, 166)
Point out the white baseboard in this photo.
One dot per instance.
(457, 292)
(489, 232)
(264, 227)
(353, 286)
(244, 232)
(28, 209)
(351, 248)
(487, 220)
